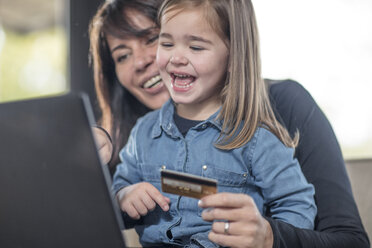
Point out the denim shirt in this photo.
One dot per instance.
(264, 169)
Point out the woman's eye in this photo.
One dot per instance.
(152, 39)
(122, 58)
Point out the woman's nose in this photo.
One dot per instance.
(143, 59)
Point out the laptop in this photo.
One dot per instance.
(54, 191)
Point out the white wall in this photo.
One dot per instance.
(327, 47)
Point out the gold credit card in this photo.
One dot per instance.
(185, 184)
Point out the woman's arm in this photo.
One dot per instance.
(338, 222)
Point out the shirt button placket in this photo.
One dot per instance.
(204, 169)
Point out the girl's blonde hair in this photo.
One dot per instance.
(245, 101)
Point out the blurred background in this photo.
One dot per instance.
(327, 47)
(324, 45)
(33, 48)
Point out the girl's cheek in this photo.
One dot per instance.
(161, 60)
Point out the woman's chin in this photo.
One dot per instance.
(155, 101)
(156, 89)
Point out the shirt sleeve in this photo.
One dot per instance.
(128, 171)
(338, 222)
(286, 193)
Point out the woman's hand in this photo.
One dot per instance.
(103, 143)
(247, 228)
(138, 199)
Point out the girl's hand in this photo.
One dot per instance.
(247, 228)
(138, 199)
(104, 144)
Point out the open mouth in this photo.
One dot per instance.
(182, 81)
(152, 82)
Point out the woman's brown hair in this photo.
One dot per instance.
(245, 101)
(120, 109)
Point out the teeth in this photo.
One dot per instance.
(183, 81)
(184, 86)
(152, 82)
(181, 76)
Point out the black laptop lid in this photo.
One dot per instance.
(54, 192)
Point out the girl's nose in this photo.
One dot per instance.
(179, 60)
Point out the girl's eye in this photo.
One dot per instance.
(152, 39)
(166, 44)
(196, 48)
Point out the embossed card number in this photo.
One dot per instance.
(185, 184)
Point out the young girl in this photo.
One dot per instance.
(218, 124)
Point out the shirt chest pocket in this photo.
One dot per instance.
(227, 180)
(151, 173)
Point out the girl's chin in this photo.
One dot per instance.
(182, 100)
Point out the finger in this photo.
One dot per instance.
(211, 214)
(148, 202)
(140, 207)
(231, 200)
(235, 228)
(231, 214)
(233, 240)
(105, 154)
(131, 211)
(218, 227)
(100, 141)
(224, 240)
(100, 137)
(161, 200)
(104, 145)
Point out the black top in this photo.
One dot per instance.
(337, 223)
(183, 124)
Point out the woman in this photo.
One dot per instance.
(123, 45)
(113, 60)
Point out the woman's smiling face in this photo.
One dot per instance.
(135, 65)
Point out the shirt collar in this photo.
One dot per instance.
(165, 122)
